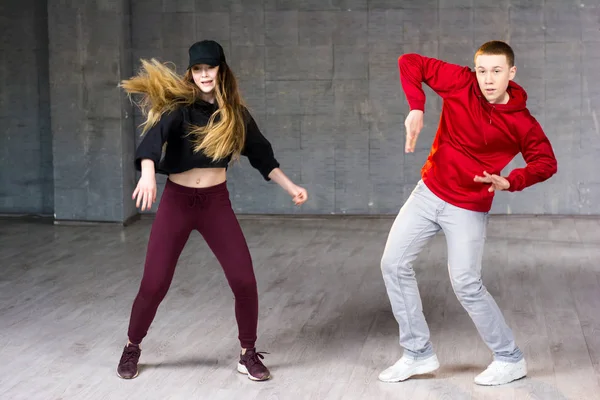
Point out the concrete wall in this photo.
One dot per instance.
(26, 176)
(92, 124)
(321, 80)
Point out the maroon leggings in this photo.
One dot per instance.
(207, 210)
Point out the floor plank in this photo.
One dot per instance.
(66, 294)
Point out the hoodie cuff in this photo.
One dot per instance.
(417, 105)
(515, 181)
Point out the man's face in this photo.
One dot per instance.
(493, 75)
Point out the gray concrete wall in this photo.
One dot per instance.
(321, 80)
(26, 177)
(92, 124)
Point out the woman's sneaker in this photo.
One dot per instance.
(128, 365)
(251, 365)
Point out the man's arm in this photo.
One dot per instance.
(539, 157)
(441, 76)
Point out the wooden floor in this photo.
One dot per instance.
(66, 294)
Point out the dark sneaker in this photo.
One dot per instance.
(128, 365)
(251, 365)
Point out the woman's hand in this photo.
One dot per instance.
(146, 187)
(299, 195)
(145, 192)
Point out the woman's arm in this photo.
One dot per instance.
(299, 195)
(148, 156)
(260, 154)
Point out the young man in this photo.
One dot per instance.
(484, 124)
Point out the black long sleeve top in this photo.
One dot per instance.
(180, 156)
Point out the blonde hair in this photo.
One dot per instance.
(163, 90)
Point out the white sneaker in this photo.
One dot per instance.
(501, 372)
(406, 367)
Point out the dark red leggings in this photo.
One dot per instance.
(207, 210)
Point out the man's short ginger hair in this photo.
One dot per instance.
(497, 48)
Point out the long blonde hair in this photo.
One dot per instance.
(163, 90)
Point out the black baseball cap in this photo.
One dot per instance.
(206, 52)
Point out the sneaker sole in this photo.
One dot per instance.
(428, 368)
(505, 382)
(122, 377)
(243, 370)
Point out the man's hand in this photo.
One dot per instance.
(413, 125)
(497, 182)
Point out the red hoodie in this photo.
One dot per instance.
(473, 135)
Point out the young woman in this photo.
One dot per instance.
(204, 125)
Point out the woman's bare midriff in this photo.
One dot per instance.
(200, 177)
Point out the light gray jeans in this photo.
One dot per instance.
(421, 217)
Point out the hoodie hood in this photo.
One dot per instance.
(516, 103)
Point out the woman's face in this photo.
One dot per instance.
(205, 77)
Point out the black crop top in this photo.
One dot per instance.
(180, 156)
